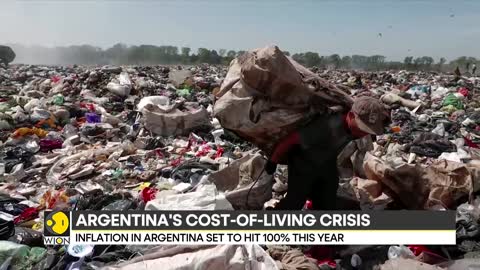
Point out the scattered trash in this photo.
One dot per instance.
(152, 137)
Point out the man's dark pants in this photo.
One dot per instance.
(311, 175)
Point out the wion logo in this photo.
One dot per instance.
(56, 228)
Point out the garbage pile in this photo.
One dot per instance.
(143, 137)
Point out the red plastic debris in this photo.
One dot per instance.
(159, 153)
(463, 91)
(331, 263)
(55, 79)
(50, 144)
(189, 146)
(308, 205)
(469, 143)
(220, 152)
(88, 106)
(51, 198)
(176, 162)
(418, 249)
(323, 254)
(426, 255)
(147, 194)
(204, 150)
(27, 214)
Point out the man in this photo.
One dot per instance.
(311, 153)
(457, 73)
(474, 69)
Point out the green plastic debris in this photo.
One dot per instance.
(4, 106)
(35, 255)
(58, 100)
(13, 255)
(117, 174)
(183, 92)
(38, 254)
(453, 100)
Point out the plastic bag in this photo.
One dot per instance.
(32, 146)
(107, 117)
(7, 229)
(395, 252)
(117, 89)
(439, 93)
(92, 118)
(120, 205)
(19, 116)
(123, 87)
(26, 236)
(124, 79)
(4, 125)
(39, 114)
(439, 130)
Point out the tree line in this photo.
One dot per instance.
(121, 54)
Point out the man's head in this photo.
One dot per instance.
(368, 115)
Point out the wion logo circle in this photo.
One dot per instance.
(56, 228)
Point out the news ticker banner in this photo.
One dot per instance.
(242, 227)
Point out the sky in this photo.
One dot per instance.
(417, 28)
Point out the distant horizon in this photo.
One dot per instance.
(194, 50)
(394, 29)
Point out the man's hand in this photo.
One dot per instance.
(270, 167)
(271, 204)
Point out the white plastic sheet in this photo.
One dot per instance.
(231, 257)
(206, 197)
(153, 100)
